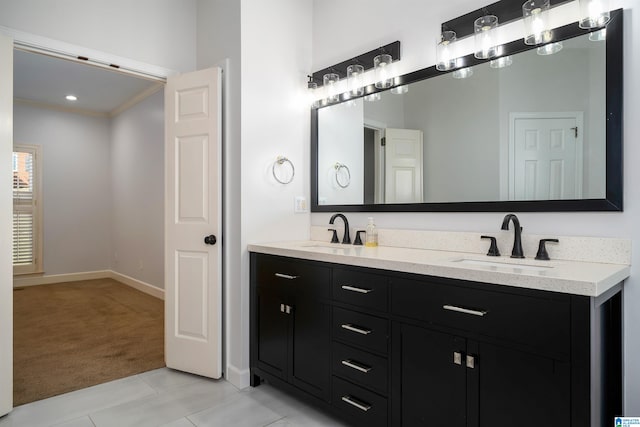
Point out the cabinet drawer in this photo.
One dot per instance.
(537, 320)
(362, 289)
(293, 274)
(364, 407)
(360, 366)
(361, 329)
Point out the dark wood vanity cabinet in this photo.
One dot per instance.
(381, 348)
(490, 355)
(290, 328)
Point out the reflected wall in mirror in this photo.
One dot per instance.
(534, 131)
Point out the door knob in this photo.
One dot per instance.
(210, 239)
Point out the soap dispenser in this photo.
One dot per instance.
(371, 235)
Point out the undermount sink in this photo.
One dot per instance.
(509, 265)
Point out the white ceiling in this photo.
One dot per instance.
(47, 80)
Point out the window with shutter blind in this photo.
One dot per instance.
(27, 217)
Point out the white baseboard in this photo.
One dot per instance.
(90, 275)
(138, 284)
(60, 278)
(238, 377)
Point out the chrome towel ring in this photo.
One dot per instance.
(343, 175)
(280, 161)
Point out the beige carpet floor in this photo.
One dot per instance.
(69, 336)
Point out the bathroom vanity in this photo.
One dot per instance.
(408, 337)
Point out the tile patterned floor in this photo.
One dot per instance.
(170, 399)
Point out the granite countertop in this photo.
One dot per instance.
(570, 277)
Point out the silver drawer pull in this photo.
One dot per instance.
(286, 276)
(354, 289)
(358, 367)
(351, 401)
(464, 310)
(350, 327)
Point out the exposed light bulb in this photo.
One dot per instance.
(383, 71)
(594, 13)
(71, 98)
(536, 21)
(445, 52)
(330, 81)
(355, 80)
(485, 37)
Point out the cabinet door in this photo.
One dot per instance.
(517, 388)
(433, 385)
(272, 334)
(311, 356)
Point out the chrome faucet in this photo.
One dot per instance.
(345, 238)
(517, 237)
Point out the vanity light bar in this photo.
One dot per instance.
(366, 60)
(505, 10)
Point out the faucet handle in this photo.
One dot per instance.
(358, 240)
(334, 238)
(542, 249)
(493, 248)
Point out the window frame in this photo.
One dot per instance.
(35, 267)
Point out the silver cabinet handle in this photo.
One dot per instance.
(464, 310)
(362, 406)
(358, 367)
(457, 358)
(471, 362)
(355, 289)
(350, 327)
(286, 276)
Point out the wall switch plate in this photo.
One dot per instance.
(300, 204)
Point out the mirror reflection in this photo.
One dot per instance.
(532, 130)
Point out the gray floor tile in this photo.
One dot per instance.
(308, 419)
(165, 378)
(78, 422)
(295, 412)
(69, 406)
(167, 406)
(182, 422)
(170, 399)
(238, 411)
(274, 399)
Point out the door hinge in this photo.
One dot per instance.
(383, 141)
(575, 131)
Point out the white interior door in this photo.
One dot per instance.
(547, 157)
(403, 166)
(193, 311)
(6, 228)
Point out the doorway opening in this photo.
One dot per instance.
(102, 201)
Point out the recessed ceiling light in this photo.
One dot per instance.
(71, 98)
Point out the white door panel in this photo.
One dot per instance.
(546, 156)
(403, 166)
(6, 224)
(193, 289)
